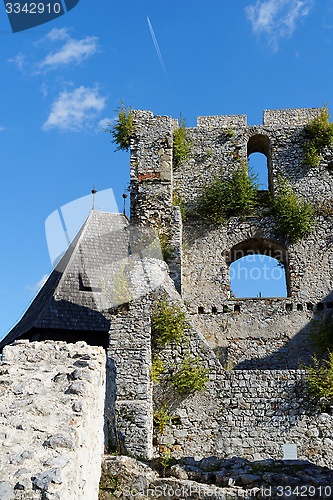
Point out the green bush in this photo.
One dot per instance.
(320, 380)
(223, 198)
(157, 368)
(294, 217)
(167, 323)
(181, 145)
(318, 135)
(162, 418)
(191, 377)
(123, 128)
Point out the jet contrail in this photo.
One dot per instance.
(159, 55)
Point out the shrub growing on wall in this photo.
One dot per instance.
(294, 216)
(223, 198)
(320, 381)
(318, 135)
(181, 145)
(167, 323)
(123, 128)
(191, 377)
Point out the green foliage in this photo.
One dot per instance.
(322, 335)
(109, 484)
(320, 380)
(167, 323)
(226, 198)
(123, 128)
(191, 377)
(230, 133)
(166, 247)
(162, 418)
(318, 135)
(294, 216)
(181, 145)
(178, 201)
(157, 368)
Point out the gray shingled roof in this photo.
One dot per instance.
(74, 297)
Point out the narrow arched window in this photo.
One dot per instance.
(259, 159)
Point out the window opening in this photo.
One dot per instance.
(259, 160)
(258, 275)
(259, 168)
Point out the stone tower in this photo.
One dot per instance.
(201, 254)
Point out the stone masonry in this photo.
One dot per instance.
(205, 254)
(51, 420)
(62, 402)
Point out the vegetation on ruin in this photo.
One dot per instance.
(162, 418)
(318, 135)
(157, 368)
(178, 201)
(123, 129)
(294, 216)
(181, 145)
(320, 375)
(320, 381)
(107, 486)
(223, 198)
(191, 377)
(167, 323)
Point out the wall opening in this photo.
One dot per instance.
(259, 268)
(259, 159)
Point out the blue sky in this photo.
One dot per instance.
(61, 82)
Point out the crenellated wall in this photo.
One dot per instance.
(218, 145)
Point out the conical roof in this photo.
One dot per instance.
(71, 302)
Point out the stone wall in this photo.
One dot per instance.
(204, 253)
(249, 414)
(129, 386)
(51, 420)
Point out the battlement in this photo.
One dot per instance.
(289, 117)
(271, 118)
(221, 121)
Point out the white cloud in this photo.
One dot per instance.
(277, 18)
(19, 61)
(57, 34)
(63, 51)
(72, 52)
(76, 110)
(104, 123)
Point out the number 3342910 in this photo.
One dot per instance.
(33, 8)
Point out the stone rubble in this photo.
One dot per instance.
(214, 478)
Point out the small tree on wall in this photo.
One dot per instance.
(318, 135)
(181, 145)
(223, 198)
(294, 216)
(122, 130)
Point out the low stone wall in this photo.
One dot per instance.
(51, 420)
(246, 413)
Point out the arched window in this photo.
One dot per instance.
(259, 158)
(259, 268)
